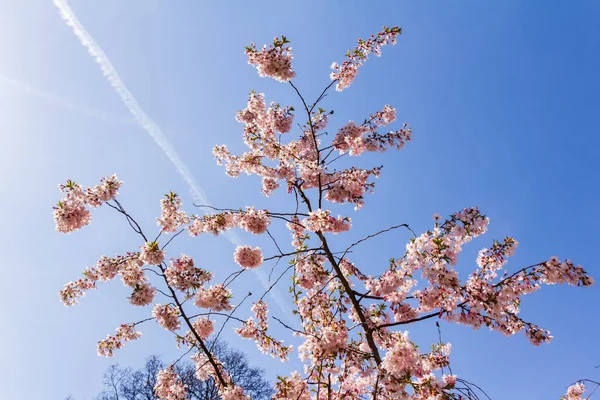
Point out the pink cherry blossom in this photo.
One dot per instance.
(151, 254)
(215, 224)
(73, 290)
(274, 62)
(143, 294)
(253, 220)
(71, 215)
(183, 275)
(167, 316)
(248, 257)
(215, 298)
(172, 217)
(125, 333)
(292, 387)
(575, 392)
(132, 274)
(204, 370)
(233, 393)
(257, 331)
(107, 190)
(169, 386)
(346, 73)
(204, 327)
(321, 220)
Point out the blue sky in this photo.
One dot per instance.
(502, 98)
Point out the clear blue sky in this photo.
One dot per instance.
(502, 97)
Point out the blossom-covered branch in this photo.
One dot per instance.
(350, 317)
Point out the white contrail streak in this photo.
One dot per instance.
(130, 102)
(148, 124)
(88, 112)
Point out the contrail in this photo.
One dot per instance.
(109, 71)
(88, 112)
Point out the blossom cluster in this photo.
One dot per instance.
(404, 359)
(204, 327)
(323, 221)
(258, 332)
(233, 393)
(252, 220)
(71, 212)
(169, 386)
(205, 369)
(183, 275)
(248, 257)
(274, 62)
(357, 139)
(261, 121)
(125, 333)
(216, 298)
(297, 163)
(350, 186)
(152, 254)
(292, 387)
(172, 217)
(346, 73)
(574, 392)
(167, 316)
(106, 269)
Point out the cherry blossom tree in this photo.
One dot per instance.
(352, 324)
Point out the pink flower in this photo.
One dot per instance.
(356, 139)
(247, 257)
(107, 268)
(169, 386)
(71, 214)
(143, 294)
(274, 62)
(233, 393)
(215, 224)
(402, 357)
(152, 254)
(204, 369)
(125, 333)
(321, 220)
(269, 185)
(350, 186)
(449, 381)
(388, 115)
(575, 392)
(253, 220)
(107, 190)
(184, 276)
(216, 298)
(167, 316)
(74, 290)
(132, 274)
(346, 73)
(204, 327)
(172, 217)
(310, 271)
(293, 387)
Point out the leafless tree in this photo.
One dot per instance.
(129, 384)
